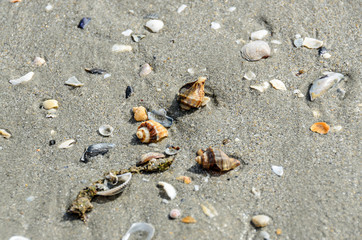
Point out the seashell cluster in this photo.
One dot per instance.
(192, 94)
(140, 114)
(323, 84)
(216, 159)
(151, 131)
(113, 184)
(255, 50)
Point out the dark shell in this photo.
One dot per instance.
(322, 50)
(84, 22)
(129, 91)
(51, 142)
(96, 149)
(95, 70)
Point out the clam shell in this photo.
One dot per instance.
(154, 25)
(105, 130)
(261, 220)
(67, 144)
(73, 81)
(121, 183)
(255, 51)
(216, 159)
(151, 131)
(261, 88)
(192, 94)
(96, 149)
(188, 219)
(169, 189)
(149, 156)
(145, 70)
(312, 43)
(143, 227)
(50, 104)
(323, 84)
(278, 170)
(27, 77)
(140, 114)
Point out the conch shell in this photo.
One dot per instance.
(216, 159)
(151, 131)
(192, 94)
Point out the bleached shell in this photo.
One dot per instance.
(261, 88)
(323, 84)
(312, 43)
(27, 77)
(261, 220)
(145, 70)
(122, 182)
(215, 25)
(38, 61)
(18, 238)
(151, 131)
(127, 33)
(255, 51)
(259, 35)
(181, 8)
(105, 130)
(5, 133)
(140, 114)
(298, 93)
(277, 84)
(169, 189)
(67, 144)
(121, 48)
(51, 103)
(154, 25)
(143, 227)
(73, 81)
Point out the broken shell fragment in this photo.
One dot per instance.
(5, 133)
(192, 94)
(323, 84)
(188, 219)
(277, 84)
(67, 144)
(50, 104)
(140, 114)
(138, 37)
(184, 179)
(261, 88)
(149, 156)
(151, 131)
(105, 130)
(259, 35)
(278, 170)
(175, 213)
(73, 81)
(145, 70)
(160, 117)
(51, 113)
(320, 127)
(140, 227)
(111, 188)
(255, 51)
(94, 70)
(261, 220)
(298, 93)
(154, 25)
(38, 61)
(209, 210)
(84, 22)
(96, 149)
(169, 189)
(121, 48)
(27, 77)
(216, 159)
(312, 43)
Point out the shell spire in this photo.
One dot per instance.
(216, 159)
(151, 131)
(192, 94)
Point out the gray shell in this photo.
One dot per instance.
(323, 84)
(96, 149)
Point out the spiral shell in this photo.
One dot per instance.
(216, 159)
(192, 94)
(151, 131)
(255, 51)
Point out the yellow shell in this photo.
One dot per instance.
(151, 131)
(140, 114)
(216, 159)
(192, 94)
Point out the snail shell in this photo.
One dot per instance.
(192, 94)
(255, 51)
(151, 131)
(216, 159)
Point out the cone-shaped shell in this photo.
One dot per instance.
(151, 131)
(216, 159)
(192, 94)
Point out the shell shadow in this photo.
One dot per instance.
(135, 141)
(67, 216)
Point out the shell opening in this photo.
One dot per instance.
(143, 134)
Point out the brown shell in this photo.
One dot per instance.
(151, 131)
(192, 94)
(216, 159)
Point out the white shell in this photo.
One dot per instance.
(323, 84)
(27, 77)
(259, 35)
(181, 8)
(249, 75)
(49, 7)
(232, 9)
(215, 25)
(298, 93)
(51, 103)
(326, 55)
(38, 61)
(169, 189)
(312, 43)
(255, 51)
(124, 179)
(261, 220)
(278, 170)
(261, 88)
(145, 70)
(154, 25)
(105, 130)
(67, 144)
(143, 227)
(73, 81)
(121, 48)
(127, 33)
(277, 84)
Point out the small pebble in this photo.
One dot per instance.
(51, 142)
(191, 71)
(181, 8)
(154, 25)
(261, 220)
(316, 114)
(278, 170)
(175, 213)
(237, 140)
(278, 231)
(196, 187)
(129, 91)
(127, 33)
(215, 25)
(84, 22)
(184, 179)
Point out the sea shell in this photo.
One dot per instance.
(175, 213)
(255, 51)
(323, 84)
(298, 93)
(312, 43)
(121, 48)
(192, 94)
(27, 77)
(96, 149)
(151, 131)
(215, 25)
(67, 144)
(160, 117)
(181, 8)
(50, 104)
(261, 220)
(73, 81)
(259, 35)
(94, 70)
(137, 37)
(18, 237)
(105, 130)
(129, 91)
(278, 170)
(216, 159)
(154, 25)
(115, 186)
(188, 219)
(127, 32)
(169, 189)
(184, 179)
(84, 22)
(149, 156)
(209, 210)
(140, 227)
(145, 70)
(140, 114)
(38, 61)
(51, 113)
(320, 127)
(261, 88)
(277, 84)
(5, 133)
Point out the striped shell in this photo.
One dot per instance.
(192, 94)
(151, 131)
(216, 159)
(255, 51)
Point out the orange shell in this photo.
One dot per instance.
(140, 114)
(192, 95)
(216, 159)
(185, 179)
(188, 219)
(151, 131)
(320, 127)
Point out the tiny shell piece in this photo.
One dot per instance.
(181, 8)
(67, 144)
(140, 114)
(5, 133)
(209, 211)
(277, 84)
(232, 9)
(94, 70)
(261, 220)
(323, 84)
(169, 189)
(320, 127)
(255, 50)
(38, 61)
(105, 130)
(51, 103)
(27, 77)
(154, 25)
(51, 113)
(312, 43)
(151, 131)
(137, 37)
(215, 25)
(145, 70)
(84, 22)
(127, 33)
(278, 170)
(259, 35)
(276, 42)
(175, 213)
(73, 81)
(116, 188)
(188, 219)
(261, 88)
(143, 227)
(121, 48)
(49, 7)
(298, 93)
(298, 42)
(149, 156)
(185, 179)
(249, 75)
